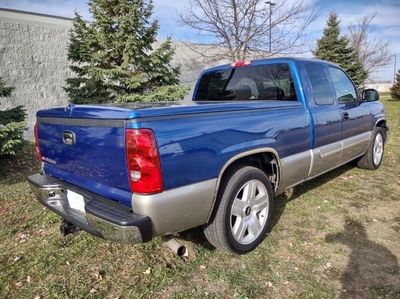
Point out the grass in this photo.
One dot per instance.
(335, 236)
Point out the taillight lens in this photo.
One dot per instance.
(143, 161)
(37, 142)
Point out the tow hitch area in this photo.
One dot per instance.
(67, 228)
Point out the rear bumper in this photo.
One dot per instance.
(101, 217)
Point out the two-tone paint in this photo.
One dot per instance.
(198, 141)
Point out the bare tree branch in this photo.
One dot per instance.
(240, 28)
(373, 52)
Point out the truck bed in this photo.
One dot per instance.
(188, 136)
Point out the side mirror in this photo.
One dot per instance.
(370, 95)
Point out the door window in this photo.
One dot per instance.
(345, 90)
(319, 83)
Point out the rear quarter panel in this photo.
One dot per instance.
(195, 148)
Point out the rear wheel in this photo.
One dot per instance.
(373, 157)
(241, 220)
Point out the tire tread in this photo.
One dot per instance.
(367, 161)
(215, 229)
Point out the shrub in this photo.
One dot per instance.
(12, 125)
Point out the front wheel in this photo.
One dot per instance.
(373, 157)
(242, 217)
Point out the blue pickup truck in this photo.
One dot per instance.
(131, 172)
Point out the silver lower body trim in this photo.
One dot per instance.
(312, 163)
(295, 168)
(178, 209)
(317, 175)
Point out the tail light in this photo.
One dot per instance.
(143, 161)
(37, 142)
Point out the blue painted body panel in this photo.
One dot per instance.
(96, 162)
(326, 120)
(195, 148)
(194, 139)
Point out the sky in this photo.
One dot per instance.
(385, 26)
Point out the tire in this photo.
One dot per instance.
(374, 155)
(242, 217)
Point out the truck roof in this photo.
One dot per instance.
(269, 60)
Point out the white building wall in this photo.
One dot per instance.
(33, 59)
(381, 87)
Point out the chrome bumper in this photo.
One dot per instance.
(101, 217)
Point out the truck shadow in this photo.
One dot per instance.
(372, 270)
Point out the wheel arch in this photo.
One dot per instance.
(267, 159)
(381, 123)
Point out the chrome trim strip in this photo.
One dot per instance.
(356, 140)
(177, 209)
(82, 122)
(332, 152)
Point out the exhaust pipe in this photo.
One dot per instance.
(175, 246)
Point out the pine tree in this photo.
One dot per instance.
(395, 89)
(12, 125)
(336, 48)
(114, 59)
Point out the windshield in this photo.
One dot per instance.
(268, 82)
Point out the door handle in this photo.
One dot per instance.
(345, 115)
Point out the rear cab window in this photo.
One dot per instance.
(266, 82)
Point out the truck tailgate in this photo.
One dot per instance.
(95, 161)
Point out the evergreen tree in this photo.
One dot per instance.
(395, 89)
(12, 125)
(336, 48)
(113, 56)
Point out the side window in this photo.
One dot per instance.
(319, 83)
(345, 90)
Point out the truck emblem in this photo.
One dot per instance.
(68, 137)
